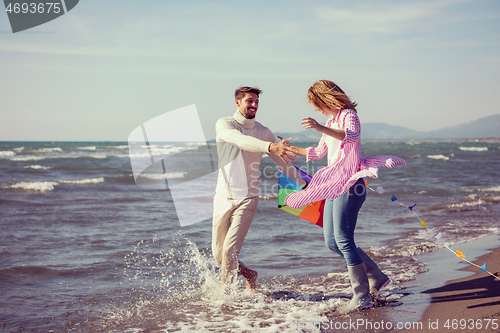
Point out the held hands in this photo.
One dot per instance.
(283, 150)
(311, 123)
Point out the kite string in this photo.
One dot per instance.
(458, 253)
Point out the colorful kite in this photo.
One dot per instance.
(312, 212)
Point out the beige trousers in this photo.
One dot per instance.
(231, 221)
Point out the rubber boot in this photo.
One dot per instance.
(376, 278)
(361, 298)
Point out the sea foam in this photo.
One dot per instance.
(88, 148)
(48, 150)
(38, 167)
(33, 186)
(50, 185)
(26, 158)
(168, 175)
(7, 153)
(439, 157)
(473, 148)
(84, 181)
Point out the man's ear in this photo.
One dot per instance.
(237, 101)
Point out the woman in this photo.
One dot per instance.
(341, 184)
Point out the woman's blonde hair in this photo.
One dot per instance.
(326, 94)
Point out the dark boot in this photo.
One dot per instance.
(376, 278)
(361, 298)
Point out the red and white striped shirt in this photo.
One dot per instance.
(344, 168)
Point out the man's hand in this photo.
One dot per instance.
(283, 150)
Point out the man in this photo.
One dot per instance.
(241, 141)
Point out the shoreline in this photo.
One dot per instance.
(451, 289)
(466, 303)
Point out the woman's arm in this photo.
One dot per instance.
(312, 123)
(299, 150)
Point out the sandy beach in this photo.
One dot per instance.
(469, 304)
(436, 302)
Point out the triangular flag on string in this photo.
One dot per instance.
(460, 254)
(366, 183)
(380, 190)
(393, 198)
(438, 237)
(411, 207)
(422, 223)
(483, 268)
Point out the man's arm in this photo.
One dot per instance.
(227, 133)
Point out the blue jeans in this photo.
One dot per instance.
(339, 220)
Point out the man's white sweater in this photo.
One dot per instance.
(240, 145)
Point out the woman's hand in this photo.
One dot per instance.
(311, 123)
(335, 133)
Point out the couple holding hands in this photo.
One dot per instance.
(241, 141)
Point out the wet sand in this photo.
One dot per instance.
(453, 296)
(469, 304)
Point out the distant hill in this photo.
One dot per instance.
(487, 127)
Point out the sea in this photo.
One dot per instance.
(85, 248)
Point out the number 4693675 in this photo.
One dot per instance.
(33, 8)
(471, 324)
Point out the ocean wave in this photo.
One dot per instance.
(26, 158)
(88, 148)
(48, 150)
(168, 175)
(490, 189)
(98, 156)
(33, 186)
(487, 189)
(438, 157)
(16, 272)
(50, 185)
(268, 196)
(122, 155)
(136, 151)
(18, 149)
(494, 199)
(478, 202)
(83, 181)
(7, 153)
(473, 148)
(38, 167)
(490, 199)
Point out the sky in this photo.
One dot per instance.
(106, 67)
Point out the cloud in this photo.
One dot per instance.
(183, 33)
(382, 19)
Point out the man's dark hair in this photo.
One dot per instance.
(241, 91)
